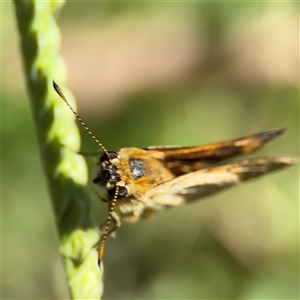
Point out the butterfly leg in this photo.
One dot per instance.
(90, 154)
(168, 200)
(93, 155)
(116, 224)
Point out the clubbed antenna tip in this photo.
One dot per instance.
(62, 96)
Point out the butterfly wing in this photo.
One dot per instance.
(183, 160)
(209, 181)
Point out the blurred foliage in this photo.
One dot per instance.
(158, 74)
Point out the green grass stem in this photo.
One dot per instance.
(59, 141)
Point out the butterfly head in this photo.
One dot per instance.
(108, 177)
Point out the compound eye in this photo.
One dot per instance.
(111, 155)
(122, 192)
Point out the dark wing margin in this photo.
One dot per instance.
(182, 160)
(221, 150)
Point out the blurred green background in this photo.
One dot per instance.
(164, 74)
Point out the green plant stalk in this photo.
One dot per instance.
(59, 141)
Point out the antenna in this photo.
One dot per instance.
(105, 234)
(62, 96)
(113, 202)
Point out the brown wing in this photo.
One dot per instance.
(182, 160)
(203, 183)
